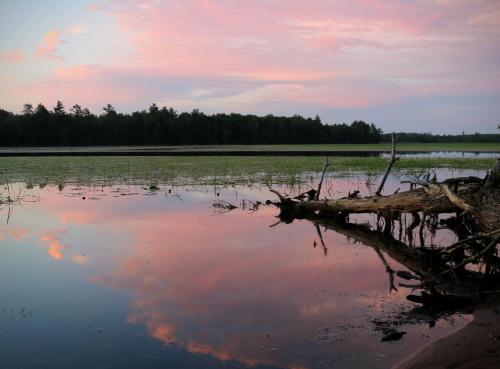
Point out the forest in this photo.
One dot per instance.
(39, 126)
(165, 126)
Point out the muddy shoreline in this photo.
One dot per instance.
(475, 346)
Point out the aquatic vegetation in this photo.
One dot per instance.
(204, 170)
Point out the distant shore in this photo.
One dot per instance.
(253, 150)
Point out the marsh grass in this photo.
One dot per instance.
(206, 170)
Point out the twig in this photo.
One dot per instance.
(224, 205)
(280, 196)
(389, 166)
(325, 166)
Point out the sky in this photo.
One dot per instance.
(405, 65)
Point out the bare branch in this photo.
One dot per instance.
(389, 166)
(325, 166)
(280, 196)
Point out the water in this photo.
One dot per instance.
(446, 154)
(124, 277)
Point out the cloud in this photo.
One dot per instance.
(77, 29)
(80, 259)
(13, 56)
(440, 45)
(19, 233)
(268, 56)
(49, 49)
(55, 247)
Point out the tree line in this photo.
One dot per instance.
(39, 126)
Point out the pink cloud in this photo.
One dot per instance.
(18, 234)
(293, 40)
(13, 56)
(80, 259)
(52, 241)
(269, 56)
(77, 29)
(88, 85)
(50, 47)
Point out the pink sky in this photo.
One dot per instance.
(423, 65)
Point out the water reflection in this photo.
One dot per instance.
(446, 154)
(166, 281)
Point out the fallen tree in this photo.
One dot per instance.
(467, 206)
(476, 198)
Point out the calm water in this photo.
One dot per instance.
(446, 154)
(129, 278)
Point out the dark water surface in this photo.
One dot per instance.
(131, 278)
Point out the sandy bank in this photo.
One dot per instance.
(476, 346)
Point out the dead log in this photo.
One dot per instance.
(428, 200)
(467, 195)
(486, 201)
(483, 204)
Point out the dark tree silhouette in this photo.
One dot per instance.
(28, 109)
(165, 126)
(59, 108)
(109, 109)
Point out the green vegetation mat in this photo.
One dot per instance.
(184, 170)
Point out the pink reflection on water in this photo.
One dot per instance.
(55, 247)
(221, 285)
(228, 286)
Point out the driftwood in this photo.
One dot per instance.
(467, 196)
(472, 208)
(427, 200)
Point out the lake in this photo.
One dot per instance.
(132, 276)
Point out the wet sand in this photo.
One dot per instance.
(476, 346)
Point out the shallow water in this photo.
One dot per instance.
(446, 154)
(124, 277)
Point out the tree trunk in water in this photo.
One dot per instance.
(469, 195)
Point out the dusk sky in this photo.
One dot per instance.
(407, 65)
